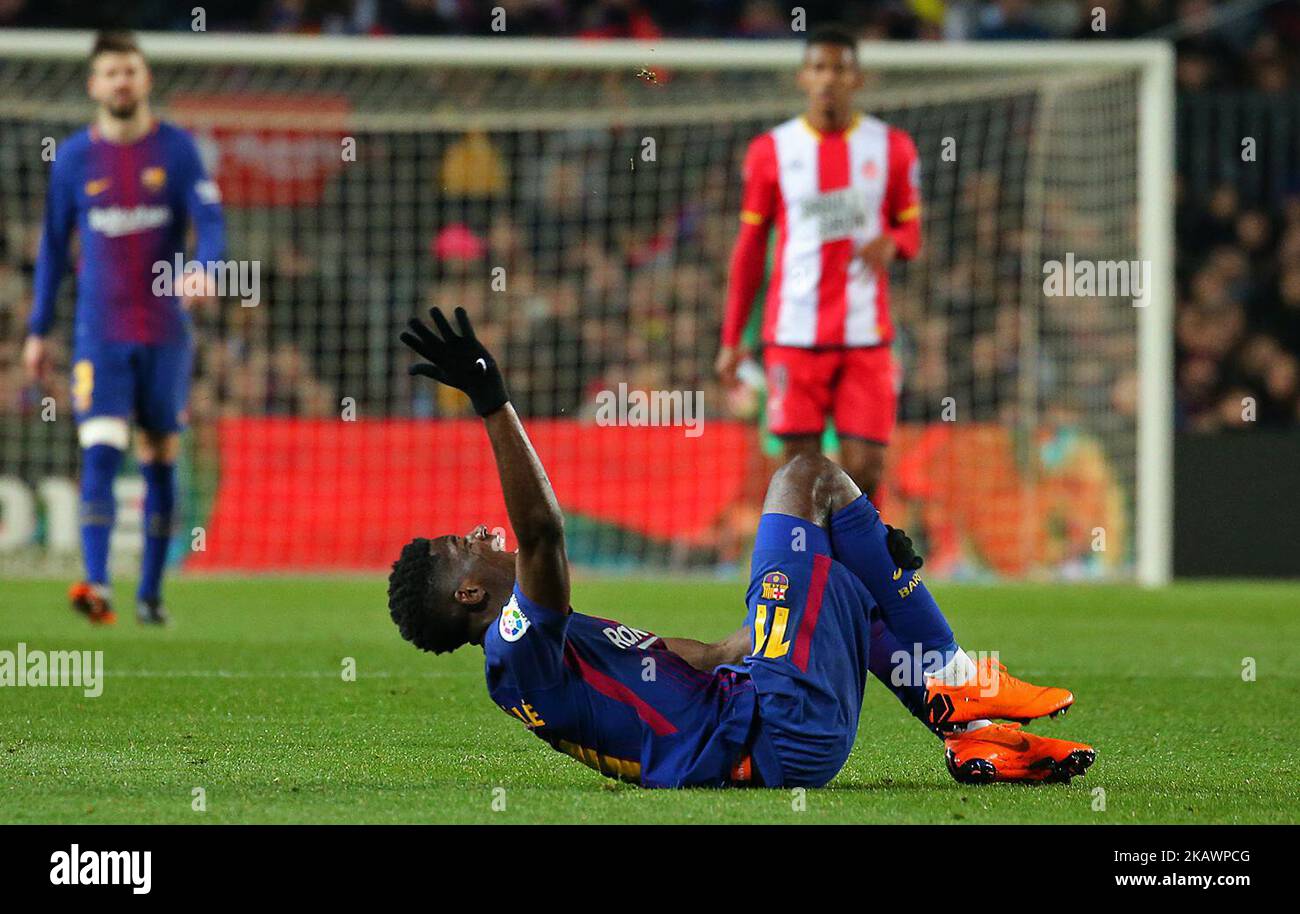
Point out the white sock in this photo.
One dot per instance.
(977, 724)
(958, 671)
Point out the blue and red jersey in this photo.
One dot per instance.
(131, 204)
(616, 699)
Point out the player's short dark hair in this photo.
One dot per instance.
(834, 35)
(418, 595)
(115, 41)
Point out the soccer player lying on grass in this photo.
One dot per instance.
(777, 703)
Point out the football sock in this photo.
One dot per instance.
(159, 507)
(958, 671)
(99, 465)
(892, 663)
(906, 606)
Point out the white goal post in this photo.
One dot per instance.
(1077, 78)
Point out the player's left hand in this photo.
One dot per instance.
(879, 252)
(901, 549)
(458, 360)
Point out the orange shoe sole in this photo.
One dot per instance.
(1046, 770)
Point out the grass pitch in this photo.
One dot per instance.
(244, 697)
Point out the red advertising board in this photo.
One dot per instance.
(329, 495)
(326, 495)
(266, 149)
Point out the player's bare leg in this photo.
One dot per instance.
(157, 453)
(864, 461)
(808, 485)
(793, 446)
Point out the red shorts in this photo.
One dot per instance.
(857, 387)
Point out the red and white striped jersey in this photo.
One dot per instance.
(828, 196)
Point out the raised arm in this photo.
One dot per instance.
(541, 567)
(459, 360)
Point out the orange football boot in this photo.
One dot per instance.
(992, 693)
(1004, 752)
(86, 600)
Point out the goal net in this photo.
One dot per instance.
(580, 200)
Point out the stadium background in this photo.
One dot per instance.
(613, 280)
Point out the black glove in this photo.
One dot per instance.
(901, 549)
(457, 360)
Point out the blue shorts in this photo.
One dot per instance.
(811, 619)
(147, 382)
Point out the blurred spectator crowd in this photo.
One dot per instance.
(1238, 317)
(1243, 43)
(1223, 43)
